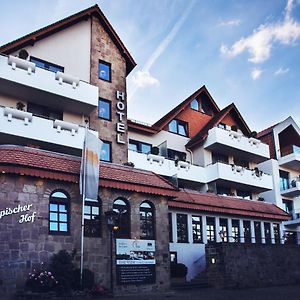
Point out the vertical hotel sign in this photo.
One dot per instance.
(121, 109)
(135, 261)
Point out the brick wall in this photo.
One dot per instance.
(252, 265)
(23, 246)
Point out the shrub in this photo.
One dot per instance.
(253, 134)
(61, 265)
(234, 128)
(178, 270)
(41, 280)
(88, 279)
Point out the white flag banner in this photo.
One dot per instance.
(89, 171)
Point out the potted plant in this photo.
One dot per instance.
(234, 128)
(23, 54)
(155, 150)
(20, 106)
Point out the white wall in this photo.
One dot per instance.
(69, 48)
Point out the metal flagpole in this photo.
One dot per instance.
(83, 201)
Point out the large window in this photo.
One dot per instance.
(288, 206)
(104, 70)
(174, 154)
(224, 230)
(236, 231)
(276, 229)
(46, 65)
(147, 221)
(140, 146)
(257, 229)
(105, 154)
(268, 238)
(92, 219)
(197, 229)
(182, 228)
(247, 231)
(121, 207)
(179, 127)
(284, 180)
(218, 157)
(210, 229)
(170, 227)
(44, 112)
(59, 213)
(195, 105)
(104, 109)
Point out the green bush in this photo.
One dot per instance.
(88, 279)
(178, 270)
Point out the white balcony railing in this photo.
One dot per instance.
(18, 124)
(237, 176)
(21, 78)
(228, 141)
(167, 167)
(290, 158)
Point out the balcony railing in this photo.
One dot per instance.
(22, 79)
(292, 189)
(16, 125)
(232, 142)
(295, 214)
(290, 157)
(289, 150)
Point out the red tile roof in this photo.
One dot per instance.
(214, 121)
(45, 164)
(211, 203)
(64, 23)
(266, 131)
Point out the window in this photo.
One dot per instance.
(147, 221)
(210, 229)
(244, 194)
(241, 162)
(104, 70)
(288, 206)
(174, 154)
(46, 65)
(170, 227)
(104, 109)
(247, 231)
(140, 146)
(217, 157)
(257, 229)
(105, 154)
(221, 125)
(44, 112)
(178, 127)
(236, 231)
(92, 219)
(290, 237)
(276, 229)
(197, 229)
(173, 257)
(268, 238)
(195, 105)
(121, 207)
(224, 230)
(182, 228)
(284, 180)
(59, 213)
(221, 190)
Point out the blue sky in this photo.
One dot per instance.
(246, 52)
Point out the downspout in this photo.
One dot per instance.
(191, 154)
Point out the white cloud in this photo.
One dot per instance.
(143, 79)
(256, 73)
(260, 42)
(234, 22)
(281, 71)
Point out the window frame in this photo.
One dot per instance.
(144, 219)
(139, 145)
(59, 201)
(123, 234)
(257, 232)
(170, 219)
(198, 104)
(182, 233)
(45, 62)
(93, 224)
(236, 234)
(182, 123)
(211, 229)
(267, 231)
(109, 68)
(196, 228)
(223, 224)
(110, 151)
(247, 229)
(109, 104)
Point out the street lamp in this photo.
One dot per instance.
(112, 220)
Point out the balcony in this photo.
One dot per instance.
(234, 143)
(239, 177)
(290, 158)
(23, 128)
(295, 221)
(23, 80)
(167, 167)
(293, 190)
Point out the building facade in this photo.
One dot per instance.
(191, 178)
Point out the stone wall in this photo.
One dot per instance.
(252, 265)
(24, 246)
(103, 48)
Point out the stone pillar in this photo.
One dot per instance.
(242, 239)
(204, 229)
(252, 232)
(230, 238)
(262, 228)
(272, 234)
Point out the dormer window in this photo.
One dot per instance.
(195, 105)
(178, 127)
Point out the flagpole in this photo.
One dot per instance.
(83, 202)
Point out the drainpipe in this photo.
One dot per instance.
(192, 157)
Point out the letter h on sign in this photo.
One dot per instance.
(120, 95)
